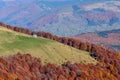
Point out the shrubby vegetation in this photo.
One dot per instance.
(25, 67)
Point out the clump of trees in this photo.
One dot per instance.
(25, 67)
(108, 66)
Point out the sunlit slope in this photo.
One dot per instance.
(48, 50)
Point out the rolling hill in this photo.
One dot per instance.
(46, 54)
(48, 50)
(64, 18)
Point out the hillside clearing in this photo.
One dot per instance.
(48, 50)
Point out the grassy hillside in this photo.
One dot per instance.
(48, 50)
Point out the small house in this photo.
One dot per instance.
(35, 35)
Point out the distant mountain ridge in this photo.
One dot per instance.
(63, 18)
(110, 39)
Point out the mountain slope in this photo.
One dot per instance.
(47, 50)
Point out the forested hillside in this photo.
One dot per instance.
(107, 67)
(109, 39)
(25, 67)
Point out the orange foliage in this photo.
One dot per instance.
(25, 67)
